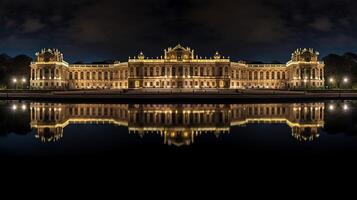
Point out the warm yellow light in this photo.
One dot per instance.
(23, 107)
(345, 107)
(345, 80)
(331, 107)
(14, 107)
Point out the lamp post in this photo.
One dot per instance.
(23, 81)
(346, 81)
(14, 81)
(332, 82)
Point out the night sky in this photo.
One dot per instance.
(93, 30)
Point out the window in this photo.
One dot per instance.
(151, 71)
(132, 71)
(163, 72)
(173, 71)
(137, 70)
(106, 75)
(180, 71)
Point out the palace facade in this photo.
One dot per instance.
(179, 67)
(177, 124)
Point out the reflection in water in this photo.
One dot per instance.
(178, 124)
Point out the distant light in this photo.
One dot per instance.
(332, 80)
(345, 107)
(14, 80)
(24, 80)
(23, 107)
(345, 80)
(331, 107)
(14, 107)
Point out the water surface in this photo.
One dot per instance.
(40, 129)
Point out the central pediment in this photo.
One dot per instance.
(179, 53)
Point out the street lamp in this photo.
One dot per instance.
(14, 81)
(345, 80)
(23, 107)
(14, 107)
(332, 80)
(345, 107)
(332, 107)
(23, 82)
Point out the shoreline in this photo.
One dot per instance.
(181, 96)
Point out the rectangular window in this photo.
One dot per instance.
(173, 71)
(151, 71)
(163, 73)
(157, 71)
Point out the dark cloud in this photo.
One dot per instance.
(243, 29)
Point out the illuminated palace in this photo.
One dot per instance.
(177, 124)
(179, 67)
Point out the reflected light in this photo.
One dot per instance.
(14, 107)
(23, 107)
(345, 80)
(331, 107)
(345, 107)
